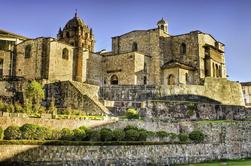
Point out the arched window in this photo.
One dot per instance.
(114, 80)
(171, 79)
(162, 27)
(68, 34)
(86, 35)
(65, 54)
(1, 68)
(134, 46)
(27, 52)
(183, 49)
(145, 80)
(217, 70)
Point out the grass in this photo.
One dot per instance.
(244, 162)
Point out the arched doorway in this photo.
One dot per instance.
(114, 80)
(171, 79)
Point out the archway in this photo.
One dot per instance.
(114, 80)
(171, 79)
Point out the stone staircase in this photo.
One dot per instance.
(91, 91)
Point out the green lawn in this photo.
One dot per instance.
(226, 163)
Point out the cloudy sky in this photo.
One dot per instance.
(229, 21)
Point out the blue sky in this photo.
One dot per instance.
(229, 21)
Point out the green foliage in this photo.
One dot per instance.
(183, 137)
(161, 134)
(151, 133)
(197, 136)
(172, 136)
(28, 131)
(131, 135)
(10, 108)
(31, 131)
(34, 91)
(55, 134)
(12, 133)
(1, 133)
(142, 135)
(118, 135)
(79, 134)
(66, 134)
(34, 94)
(106, 134)
(190, 112)
(52, 109)
(28, 106)
(132, 114)
(94, 135)
(18, 108)
(2, 106)
(129, 127)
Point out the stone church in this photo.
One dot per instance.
(193, 62)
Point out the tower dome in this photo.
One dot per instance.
(74, 22)
(77, 33)
(162, 25)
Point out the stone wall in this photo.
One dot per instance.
(59, 67)
(127, 67)
(6, 57)
(219, 89)
(6, 121)
(76, 95)
(121, 155)
(215, 131)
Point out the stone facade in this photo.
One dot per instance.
(13, 120)
(246, 88)
(186, 64)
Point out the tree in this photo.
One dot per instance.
(34, 94)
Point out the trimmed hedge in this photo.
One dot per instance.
(183, 137)
(1, 133)
(118, 135)
(106, 134)
(77, 143)
(197, 136)
(12, 133)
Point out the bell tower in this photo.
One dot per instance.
(77, 34)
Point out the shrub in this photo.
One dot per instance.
(118, 135)
(18, 108)
(55, 135)
(183, 137)
(2, 106)
(66, 134)
(28, 131)
(161, 134)
(106, 134)
(10, 108)
(79, 134)
(151, 133)
(12, 133)
(129, 127)
(142, 135)
(42, 133)
(31, 131)
(132, 114)
(197, 136)
(94, 135)
(172, 136)
(1, 133)
(131, 135)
